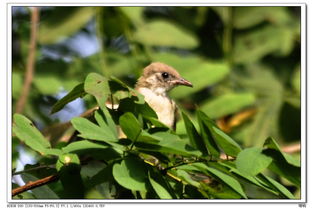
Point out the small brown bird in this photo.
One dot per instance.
(156, 81)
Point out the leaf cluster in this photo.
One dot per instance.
(126, 153)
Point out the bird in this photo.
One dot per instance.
(156, 81)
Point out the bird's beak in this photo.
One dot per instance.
(184, 82)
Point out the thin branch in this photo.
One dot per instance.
(291, 148)
(30, 68)
(33, 184)
(33, 169)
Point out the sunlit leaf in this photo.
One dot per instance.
(227, 104)
(134, 13)
(165, 33)
(90, 130)
(245, 17)
(98, 86)
(252, 161)
(104, 119)
(28, 133)
(166, 143)
(82, 145)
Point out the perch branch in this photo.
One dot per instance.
(33, 184)
(30, 68)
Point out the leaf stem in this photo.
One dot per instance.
(133, 143)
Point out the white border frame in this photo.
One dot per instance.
(96, 201)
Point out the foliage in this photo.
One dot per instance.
(244, 63)
(153, 161)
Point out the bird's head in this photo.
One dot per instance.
(160, 78)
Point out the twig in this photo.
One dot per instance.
(30, 68)
(33, 169)
(291, 148)
(33, 184)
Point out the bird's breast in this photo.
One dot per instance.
(161, 104)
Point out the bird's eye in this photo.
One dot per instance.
(165, 75)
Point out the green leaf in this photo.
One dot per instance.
(245, 17)
(51, 151)
(252, 161)
(105, 119)
(82, 145)
(199, 71)
(230, 181)
(98, 86)
(90, 130)
(251, 47)
(182, 174)
(29, 134)
(130, 125)
(76, 92)
(227, 179)
(70, 175)
(17, 84)
(63, 22)
(156, 123)
(270, 143)
(171, 143)
(269, 90)
(131, 174)
(227, 144)
(69, 158)
(194, 137)
(206, 134)
(296, 80)
(252, 179)
(159, 188)
(41, 81)
(227, 104)
(166, 143)
(135, 14)
(284, 165)
(168, 34)
(279, 187)
(42, 192)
